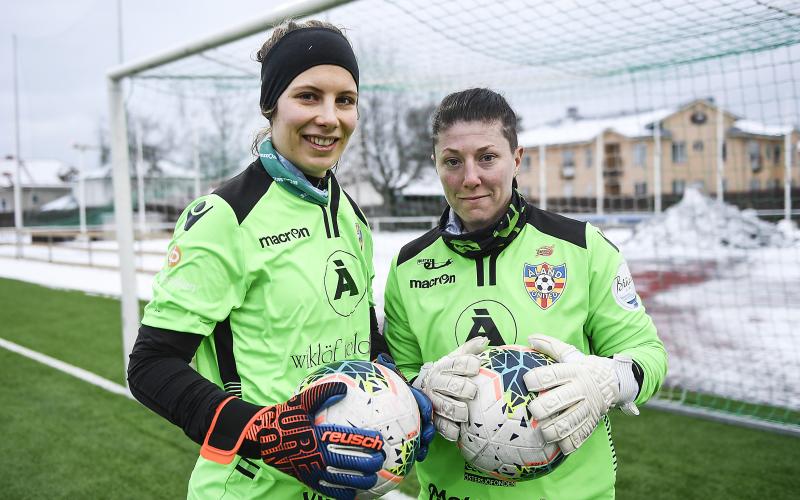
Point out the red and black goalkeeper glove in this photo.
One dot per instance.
(286, 438)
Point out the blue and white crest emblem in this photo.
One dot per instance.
(544, 282)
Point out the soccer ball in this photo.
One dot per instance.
(544, 283)
(379, 399)
(500, 438)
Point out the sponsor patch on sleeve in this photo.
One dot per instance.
(174, 256)
(623, 289)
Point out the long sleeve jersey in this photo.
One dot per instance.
(558, 277)
(266, 287)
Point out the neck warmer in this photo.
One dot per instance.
(482, 242)
(288, 176)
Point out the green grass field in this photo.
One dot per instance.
(64, 438)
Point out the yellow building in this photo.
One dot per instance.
(752, 154)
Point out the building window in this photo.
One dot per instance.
(724, 150)
(776, 154)
(589, 157)
(754, 154)
(35, 199)
(697, 146)
(568, 158)
(678, 186)
(568, 163)
(755, 184)
(640, 154)
(526, 163)
(640, 189)
(568, 190)
(3, 205)
(679, 152)
(773, 184)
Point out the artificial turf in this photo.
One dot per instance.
(64, 438)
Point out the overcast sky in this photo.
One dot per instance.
(65, 48)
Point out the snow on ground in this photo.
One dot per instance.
(722, 286)
(93, 280)
(698, 225)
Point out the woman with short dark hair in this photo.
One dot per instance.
(488, 251)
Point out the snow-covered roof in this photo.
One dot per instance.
(35, 173)
(758, 128)
(577, 130)
(164, 169)
(580, 130)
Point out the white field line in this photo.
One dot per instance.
(67, 368)
(108, 385)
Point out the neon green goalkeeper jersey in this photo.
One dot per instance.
(278, 286)
(557, 277)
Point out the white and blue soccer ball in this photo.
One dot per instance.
(501, 439)
(379, 399)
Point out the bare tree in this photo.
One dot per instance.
(220, 146)
(394, 141)
(158, 140)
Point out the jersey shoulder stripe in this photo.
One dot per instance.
(557, 226)
(356, 208)
(414, 247)
(243, 191)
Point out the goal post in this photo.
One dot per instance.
(123, 211)
(671, 124)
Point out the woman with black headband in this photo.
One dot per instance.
(268, 278)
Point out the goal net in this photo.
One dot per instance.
(672, 125)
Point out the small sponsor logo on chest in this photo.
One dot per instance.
(290, 235)
(434, 264)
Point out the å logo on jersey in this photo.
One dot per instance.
(345, 282)
(544, 282)
(195, 213)
(486, 318)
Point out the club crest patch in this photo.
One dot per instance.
(545, 283)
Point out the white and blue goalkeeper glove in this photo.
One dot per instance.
(447, 383)
(577, 391)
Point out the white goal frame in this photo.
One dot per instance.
(123, 211)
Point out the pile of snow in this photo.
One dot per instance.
(700, 224)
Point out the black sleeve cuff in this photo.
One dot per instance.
(638, 374)
(231, 423)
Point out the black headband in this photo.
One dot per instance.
(298, 51)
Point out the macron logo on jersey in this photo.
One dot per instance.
(195, 213)
(444, 279)
(277, 239)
